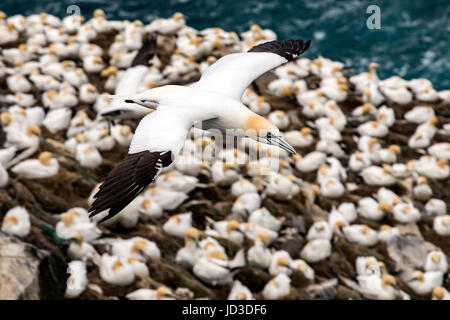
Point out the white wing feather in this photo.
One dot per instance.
(161, 130)
(233, 73)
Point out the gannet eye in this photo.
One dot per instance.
(269, 135)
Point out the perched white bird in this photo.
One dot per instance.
(277, 288)
(116, 271)
(178, 224)
(17, 222)
(240, 292)
(77, 281)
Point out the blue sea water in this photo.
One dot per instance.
(414, 39)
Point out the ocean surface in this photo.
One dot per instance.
(414, 39)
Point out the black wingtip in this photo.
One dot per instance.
(129, 101)
(288, 49)
(146, 53)
(127, 180)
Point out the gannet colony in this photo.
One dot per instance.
(351, 202)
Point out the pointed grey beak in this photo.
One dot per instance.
(280, 142)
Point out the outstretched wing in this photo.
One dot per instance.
(156, 142)
(233, 73)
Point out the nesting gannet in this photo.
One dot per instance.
(311, 162)
(371, 209)
(378, 176)
(116, 271)
(378, 288)
(88, 156)
(150, 209)
(360, 234)
(215, 268)
(178, 224)
(277, 288)
(191, 252)
(259, 255)
(175, 180)
(162, 293)
(81, 250)
(386, 232)
(435, 207)
(405, 213)
(167, 199)
(420, 114)
(137, 248)
(433, 168)
(440, 293)
(242, 186)
(71, 225)
(229, 230)
(77, 281)
(57, 119)
(240, 292)
(178, 108)
(248, 202)
(422, 190)
(316, 250)
(320, 230)
(44, 167)
(423, 283)
(440, 150)
(265, 219)
(441, 225)
(17, 222)
(436, 261)
(348, 211)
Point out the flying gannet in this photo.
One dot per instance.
(215, 101)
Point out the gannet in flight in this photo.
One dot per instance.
(215, 100)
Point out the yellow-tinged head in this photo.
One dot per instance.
(218, 254)
(44, 157)
(192, 234)
(232, 225)
(11, 220)
(139, 245)
(6, 118)
(177, 16)
(438, 293)
(263, 236)
(283, 261)
(163, 292)
(33, 129)
(436, 257)
(388, 279)
(385, 206)
(418, 275)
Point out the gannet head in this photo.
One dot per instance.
(33, 129)
(241, 296)
(264, 237)
(218, 254)
(233, 225)
(192, 234)
(177, 16)
(387, 279)
(44, 157)
(164, 292)
(283, 262)
(262, 130)
(438, 293)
